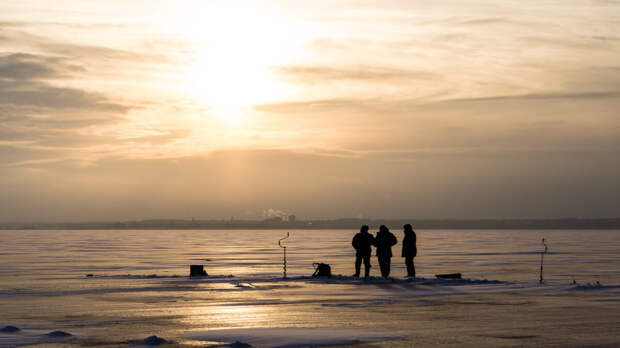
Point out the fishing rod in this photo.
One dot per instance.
(542, 256)
(283, 248)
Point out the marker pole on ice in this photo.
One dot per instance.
(284, 248)
(542, 255)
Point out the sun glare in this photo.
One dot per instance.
(229, 115)
(232, 54)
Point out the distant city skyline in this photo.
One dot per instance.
(128, 110)
(318, 224)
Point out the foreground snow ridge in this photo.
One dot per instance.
(291, 337)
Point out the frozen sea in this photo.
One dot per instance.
(139, 288)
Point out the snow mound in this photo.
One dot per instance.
(292, 337)
(9, 329)
(58, 334)
(154, 341)
(32, 336)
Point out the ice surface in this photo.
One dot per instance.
(140, 287)
(293, 337)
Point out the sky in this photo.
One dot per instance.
(125, 110)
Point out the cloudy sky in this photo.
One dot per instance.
(115, 110)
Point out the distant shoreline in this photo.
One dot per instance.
(348, 224)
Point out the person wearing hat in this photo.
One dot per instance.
(362, 243)
(384, 242)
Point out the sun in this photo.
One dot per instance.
(232, 54)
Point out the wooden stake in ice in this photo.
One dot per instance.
(542, 255)
(284, 248)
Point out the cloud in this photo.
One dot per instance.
(33, 110)
(541, 96)
(20, 84)
(483, 21)
(13, 155)
(491, 126)
(320, 74)
(22, 66)
(407, 105)
(570, 44)
(159, 136)
(42, 122)
(30, 24)
(319, 105)
(51, 45)
(57, 98)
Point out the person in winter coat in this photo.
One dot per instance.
(362, 243)
(409, 249)
(384, 242)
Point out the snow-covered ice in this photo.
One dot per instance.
(292, 337)
(140, 288)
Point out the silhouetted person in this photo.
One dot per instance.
(409, 249)
(384, 242)
(362, 243)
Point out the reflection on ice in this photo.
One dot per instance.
(225, 312)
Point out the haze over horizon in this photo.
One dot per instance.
(122, 110)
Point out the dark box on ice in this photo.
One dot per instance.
(197, 271)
